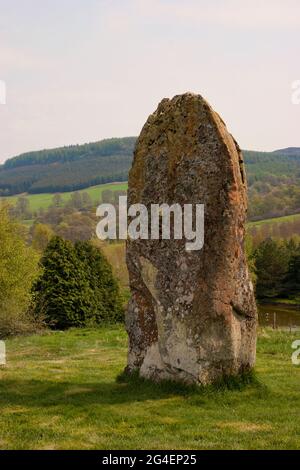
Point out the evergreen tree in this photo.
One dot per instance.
(62, 291)
(77, 287)
(271, 261)
(292, 280)
(105, 288)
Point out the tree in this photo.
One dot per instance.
(62, 292)
(22, 208)
(76, 227)
(271, 261)
(292, 279)
(107, 196)
(250, 257)
(105, 288)
(87, 202)
(75, 200)
(41, 235)
(18, 270)
(77, 287)
(57, 200)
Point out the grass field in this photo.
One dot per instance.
(43, 201)
(59, 391)
(275, 220)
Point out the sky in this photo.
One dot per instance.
(82, 70)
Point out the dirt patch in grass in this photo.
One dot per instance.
(242, 426)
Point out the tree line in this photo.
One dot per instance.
(68, 168)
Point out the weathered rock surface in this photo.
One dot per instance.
(192, 314)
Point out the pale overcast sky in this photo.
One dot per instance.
(82, 70)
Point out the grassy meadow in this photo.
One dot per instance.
(59, 391)
(279, 227)
(275, 220)
(44, 201)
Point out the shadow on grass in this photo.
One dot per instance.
(240, 382)
(126, 389)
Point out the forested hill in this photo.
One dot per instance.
(80, 166)
(289, 152)
(67, 168)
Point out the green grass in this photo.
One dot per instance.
(59, 391)
(275, 220)
(43, 201)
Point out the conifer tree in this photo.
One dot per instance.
(106, 296)
(271, 261)
(62, 291)
(77, 287)
(292, 280)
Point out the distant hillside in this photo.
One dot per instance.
(81, 166)
(67, 168)
(280, 166)
(290, 152)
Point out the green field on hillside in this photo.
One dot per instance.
(59, 391)
(43, 201)
(275, 220)
(278, 227)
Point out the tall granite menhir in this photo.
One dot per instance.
(192, 314)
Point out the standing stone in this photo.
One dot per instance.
(192, 314)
